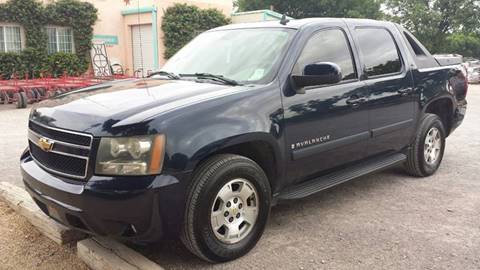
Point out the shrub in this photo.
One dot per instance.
(182, 22)
(10, 64)
(31, 63)
(60, 63)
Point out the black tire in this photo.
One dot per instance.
(42, 92)
(21, 100)
(3, 98)
(416, 163)
(9, 97)
(36, 95)
(197, 234)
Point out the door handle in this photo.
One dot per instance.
(405, 91)
(355, 101)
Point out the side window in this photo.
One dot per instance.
(414, 45)
(10, 38)
(328, 46)
(60, 39)
(380, 55)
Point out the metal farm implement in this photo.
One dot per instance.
(29, 90)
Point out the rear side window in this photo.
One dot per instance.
(380, 54)
(415, 46)
(328, 46)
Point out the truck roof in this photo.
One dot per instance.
(296, 24)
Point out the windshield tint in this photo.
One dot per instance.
(244, 55)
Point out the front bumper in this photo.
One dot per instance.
(135, 208)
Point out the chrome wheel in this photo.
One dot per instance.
(234, 211)
(433, 145)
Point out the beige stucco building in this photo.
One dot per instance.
(132, 32)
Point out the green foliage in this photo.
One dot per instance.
(33, 16)
(10, 63)
(32, 63)
(317, 8)
(182, 22)
(436, 23)
(28, 63)
(81, 16)
(465, 44)
(60, 63)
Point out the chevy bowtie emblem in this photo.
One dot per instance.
(45, 144)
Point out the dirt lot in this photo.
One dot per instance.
(382, 221)
(13, 140)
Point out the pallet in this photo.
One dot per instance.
(103, 253)
(98, 253)
(20, 201)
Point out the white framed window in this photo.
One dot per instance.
(10, 38)
(60, 39)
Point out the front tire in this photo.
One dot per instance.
(426, 153)
(227, 208)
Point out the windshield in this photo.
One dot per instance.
(243, 55)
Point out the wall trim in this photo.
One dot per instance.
(140, 10)
(155, 38)
(265, 12)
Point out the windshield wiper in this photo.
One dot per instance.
(218, 78)
(170, 75)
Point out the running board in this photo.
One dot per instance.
(318, 184)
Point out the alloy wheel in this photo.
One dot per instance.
(433, 145)
(234, 211)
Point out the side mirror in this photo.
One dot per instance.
(318, 74)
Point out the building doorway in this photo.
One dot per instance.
(142, 47)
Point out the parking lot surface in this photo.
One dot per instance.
(382, 221)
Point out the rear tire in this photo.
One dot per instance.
(426, 153)
(206, 197)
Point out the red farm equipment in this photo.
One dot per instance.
(30, 90)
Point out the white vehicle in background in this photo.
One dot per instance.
(472, 66)
(473, 74)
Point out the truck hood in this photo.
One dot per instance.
(123, 103)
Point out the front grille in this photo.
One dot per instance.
(69, 155)
(60, 135)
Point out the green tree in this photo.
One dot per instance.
(182, 22)
(317, 8)
(433, 22)
(464, 44)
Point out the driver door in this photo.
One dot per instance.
(326, 126)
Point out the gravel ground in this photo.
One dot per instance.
(23, 247)
(382, 221)
(13, 140)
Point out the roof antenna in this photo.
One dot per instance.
(284, 20)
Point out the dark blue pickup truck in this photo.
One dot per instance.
(241, 118)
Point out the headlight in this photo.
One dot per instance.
(138, 155)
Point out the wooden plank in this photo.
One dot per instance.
(19, 200)
(104, 254)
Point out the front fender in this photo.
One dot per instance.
(224, 143)
(196, 132)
